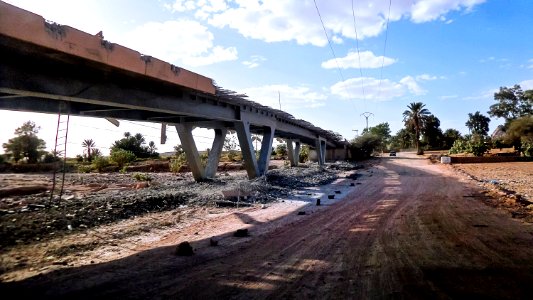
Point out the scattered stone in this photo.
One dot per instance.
(241, 232)
(301, 213)
(184, 249)
(213, 242)
(317, 202)
(352, 184)
(337, 192)
(331, 196)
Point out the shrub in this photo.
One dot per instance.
(50, 158)
(459, 146)
(2, 159)
(79, 158)
(478, 148)
(85, 168)
(99, 163)
(304, 154)
(122, 157)
(281, 150)
(177, 163)
(142, 177)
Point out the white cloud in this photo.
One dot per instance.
(183, 42)
(254, 61)
(526, 84)
(426, 77)
(295, 20)
(351, 60)
(291, 96)
(448, 97)
(530, 66)
(376, 90)
(429, 10)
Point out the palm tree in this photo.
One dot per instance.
(89, 144)
(415, 117)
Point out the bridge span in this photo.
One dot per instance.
(51, 68)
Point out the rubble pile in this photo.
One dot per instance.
(91, 200)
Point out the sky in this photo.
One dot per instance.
(325, 61)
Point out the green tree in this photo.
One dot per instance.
(512, 103)
(432, 134)
(363, 146)
(281, 150)
(450, 136)
(89, 145)
(134, 144)
(478, 124)
(152, 149)
(520, 133)
(26, 144)
(122, 157)
(415, 117)
(382, 131)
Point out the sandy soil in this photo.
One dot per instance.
(406, 229)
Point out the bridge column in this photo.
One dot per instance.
(321, 151)
(191, 152)
(266, 150)
(293, 152)
(247, 148)
(214, 155)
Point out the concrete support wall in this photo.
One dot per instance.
(247, 148)
(293, 152)
(266, 150)
(191, 152)
(320, 145)
(216, 151)
(254, 167)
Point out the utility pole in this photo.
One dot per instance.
(279, 100)
(366, 115)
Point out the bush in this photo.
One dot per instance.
(99, 163)
(177, 163)
(79, 158)
(478, 148)
(364, 146)
(142, 177)
(281, 150)
(304, 154)
(50, 158)
(85, 168)
(527, 148)
(122, 157)
(459, 146)
(2, 159)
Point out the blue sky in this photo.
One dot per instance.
(451, 55)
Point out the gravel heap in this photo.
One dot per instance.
(27, 218)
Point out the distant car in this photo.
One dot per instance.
(392, 153)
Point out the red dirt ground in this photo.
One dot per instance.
(410, 229)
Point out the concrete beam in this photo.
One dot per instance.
(214, 154)
(191, 152)
(247, 148)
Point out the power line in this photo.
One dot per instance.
(358, 55)
(384, 50)
(329, 41)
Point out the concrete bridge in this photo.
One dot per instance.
(51, 68)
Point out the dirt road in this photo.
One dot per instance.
(410, 230)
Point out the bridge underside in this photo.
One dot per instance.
(40, 79)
